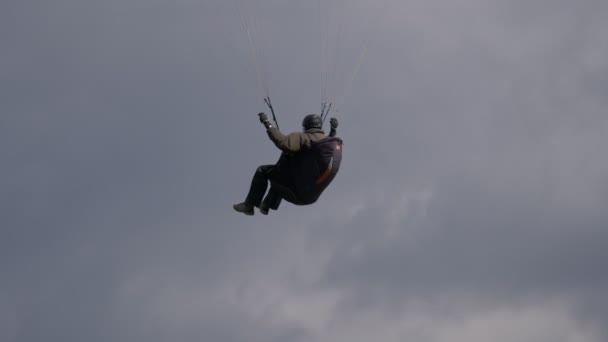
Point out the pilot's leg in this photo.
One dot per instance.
(271, 201)
(259, 184)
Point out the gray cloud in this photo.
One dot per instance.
(508, 134)
(471, 200)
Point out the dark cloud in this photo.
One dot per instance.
(508, 146)
(474, 178)
(496, 245)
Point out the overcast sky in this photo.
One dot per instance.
(471, 205)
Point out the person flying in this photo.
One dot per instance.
(308, 163)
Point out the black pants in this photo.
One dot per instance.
(259, 184)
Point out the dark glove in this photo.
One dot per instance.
(264, 120)
(263, 117)
(334, 123)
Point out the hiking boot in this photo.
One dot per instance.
(264, 209)
(244, 208)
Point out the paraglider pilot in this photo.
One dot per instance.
(308, 163)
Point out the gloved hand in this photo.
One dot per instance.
(263, 117)
(334, 123)
(264, 120)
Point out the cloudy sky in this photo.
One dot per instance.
(470, 207)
